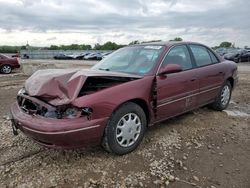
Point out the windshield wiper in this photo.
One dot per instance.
(104, 69)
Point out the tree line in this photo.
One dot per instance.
(106, 46)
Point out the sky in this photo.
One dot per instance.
(57, 22)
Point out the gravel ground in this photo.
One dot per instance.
(202, 148)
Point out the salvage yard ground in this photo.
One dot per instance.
(202, 148)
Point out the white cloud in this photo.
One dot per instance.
(92, 21)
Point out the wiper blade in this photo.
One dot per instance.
(104, 69)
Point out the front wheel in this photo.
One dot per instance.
(125, 129)
(6, 69)
(223, 99)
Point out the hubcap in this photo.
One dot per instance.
(225, 95)
(6, 69)
(128, 130)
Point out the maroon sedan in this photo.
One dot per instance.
(114, 102)
(7, 64)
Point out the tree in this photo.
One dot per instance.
(134, 42)
(108, 46)
(86, 47)
(97, 46)
(177, 39)
(225, 44)
(151, 41)
(53, 47)
(9, 49)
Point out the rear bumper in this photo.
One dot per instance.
(59, 133)
(236, 81)
(16, 66)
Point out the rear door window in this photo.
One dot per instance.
(201, 55)
(213, 57)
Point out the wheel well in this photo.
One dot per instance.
(231, 80)
(143, 105)
(6, 64)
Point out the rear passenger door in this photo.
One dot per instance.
(210, 73)
(176, 92)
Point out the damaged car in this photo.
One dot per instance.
(114, 102)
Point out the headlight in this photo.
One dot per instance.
(71, 113)
(21, 91)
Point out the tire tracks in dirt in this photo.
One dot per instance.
(22, 157)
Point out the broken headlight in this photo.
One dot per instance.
(21, 91)
(74, 112)
(71, 113)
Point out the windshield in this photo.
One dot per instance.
(135, 60)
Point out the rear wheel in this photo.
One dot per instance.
(6, 69)
(125, 129)
(237, 60)
(223, 99)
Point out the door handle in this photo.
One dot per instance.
(192, 80)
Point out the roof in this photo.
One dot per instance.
(167, 43)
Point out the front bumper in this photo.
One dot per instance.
(59, 133)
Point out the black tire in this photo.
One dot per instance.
(218, 103)
(110, 140)
(6, 69)
(237, 60)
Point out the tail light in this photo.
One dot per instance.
(18, 61)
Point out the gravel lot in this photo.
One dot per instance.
(202, 148)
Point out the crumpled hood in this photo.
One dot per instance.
(62, 86)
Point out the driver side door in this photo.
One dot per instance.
(177, 92)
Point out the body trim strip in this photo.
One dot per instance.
(176, 100)
(60, 132)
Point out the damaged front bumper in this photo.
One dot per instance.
(58, 133)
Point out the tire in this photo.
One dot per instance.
(223, 99)
(6, 69)
(125, 129)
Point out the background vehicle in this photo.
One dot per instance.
(245, 56)
(7, 64)
(63, 57)
(82, 55)
(223, 51)
(238, 56)
(105, 54)
(93, 56)
(26, 56)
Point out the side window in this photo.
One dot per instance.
(179, 55)
(214, 59)
(201, 55)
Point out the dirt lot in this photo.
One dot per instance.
(202, 148)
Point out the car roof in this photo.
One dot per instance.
(5, 56)
(168, 43)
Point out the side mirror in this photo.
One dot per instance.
(170, 68)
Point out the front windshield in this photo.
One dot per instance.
(135, 59)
